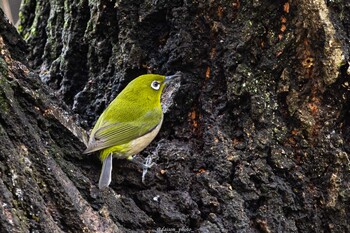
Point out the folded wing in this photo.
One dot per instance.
(112, 134)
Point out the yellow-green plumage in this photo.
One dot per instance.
(129, 123)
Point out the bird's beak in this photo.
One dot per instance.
(172, 77)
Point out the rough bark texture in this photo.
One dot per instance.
(257, 140)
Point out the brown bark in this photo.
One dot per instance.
(257, 139)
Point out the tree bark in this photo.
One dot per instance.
(257, 139)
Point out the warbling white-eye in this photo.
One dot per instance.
(130, 122)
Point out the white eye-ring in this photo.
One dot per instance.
(155, 85)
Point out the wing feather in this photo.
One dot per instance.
(112, 134)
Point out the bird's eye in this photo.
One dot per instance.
(155, 85)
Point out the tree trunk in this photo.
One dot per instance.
(257, 139)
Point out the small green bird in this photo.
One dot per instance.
(129, 123)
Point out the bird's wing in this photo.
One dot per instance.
(122, 132)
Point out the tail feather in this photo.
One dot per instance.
(106, 173)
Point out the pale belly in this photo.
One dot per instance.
(126, 151)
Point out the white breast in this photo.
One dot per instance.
(137, 145)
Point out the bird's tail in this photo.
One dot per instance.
(106, 173)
